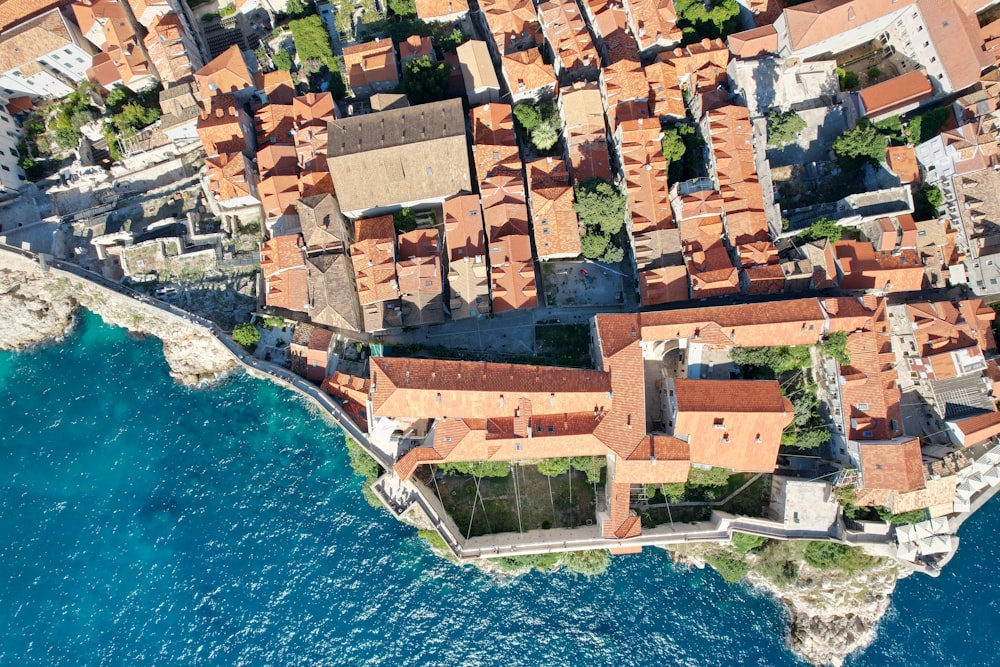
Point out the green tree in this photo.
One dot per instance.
(835, 345)
(282, 60)
(450, 41)
(404, 220)
(545, 135)
(296, 8)
(343, 19)
(403, 8)
(674, 493)
(707, 477)
(927, 125)
(116, 99)
(824, 228)
(612, 255)
(600, 205)
(864, 142)
(476, 468)
(673, 145)
(783, 127)
(779, 358)
(588, 563)
(424, 80)
(246, 334)
(591, 465)
(312, 41)
(553, 467)
(365, 467)
(594, 245)
(837, 556)
(806, 439)
(707, 18)
(136, 116)
(745, 542)
(527, 116)
(848, 80)
(873, 73)
(904, 518)
(926, 202)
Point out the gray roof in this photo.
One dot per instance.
(321, 220)
(332, 291)
(397, 127)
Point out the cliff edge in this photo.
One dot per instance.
(37, 306)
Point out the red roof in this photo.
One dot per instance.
(892, 466)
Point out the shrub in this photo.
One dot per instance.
(710, 477)
(282, 60)
(824, 228)
(403, 8)
(674, 493)
(246, 334)
(873, 73)
(527, 116)
(927, 125)
(517, 563)
(780, 359)
(228, 10)
(835, 345)
(476, 468)
(591, 465)
(732, 569)
(588, 563)
(707, 18)
(745, 542)
(312, 40)
(673, 145)
(848, 80)
(837, 556)
(553, 467)
(404, 220)
(926, 202)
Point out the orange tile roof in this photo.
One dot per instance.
(492, 124)
(525, 71)
(230, 176)
(481, 390)
(896, 93)
(585, 134)
(419, 262)
(374, 258)
(277, 85)
(943, 329)
(735, 424)
(815, 22)
(892, 466)
(275, 124)
(610, 21)
(415, 46)
(869, 388)
(757, 253)
(370, 63)
(567, 35)
(312, 113)
(958, 40)
(513, 24)
(14, 13)
(227, 73)
(645, 171)
(284, 270)
(902, 161)
(219, 126)
(463, 227)
(666, 284)
(164, 43)
(753, 43)
(665, 96)
(277, 160)
(865, 268)
(768, 279)
(433, 9)
(315, 183)
(653, 22)
(624, 83)
(512, 273)
(556, 227)
(278, 195)
(712, 272)
(979, 428)
(509, 219)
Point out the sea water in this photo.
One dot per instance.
(144, 523)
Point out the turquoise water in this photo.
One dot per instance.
(142, 523)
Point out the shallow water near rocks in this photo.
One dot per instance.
(144, 523)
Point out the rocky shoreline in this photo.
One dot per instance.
(36, 307)
(832, 614)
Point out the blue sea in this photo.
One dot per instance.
(144, 523)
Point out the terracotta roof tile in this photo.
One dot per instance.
(865, 268)
(219, 126)
(227, 73)
(230, 176)
(435, 9)
(666, 284)
(567, 35)
(283, 266)
(753, 43)
(892, 466)
(556, 228)
(979, 428)
(277, 160)
(370, 63)
(525, 71)
(653, 22)
(374, 258)
(897, 93)
(902, 161)
(513, 24)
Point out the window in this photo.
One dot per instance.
(551, 429)
(68, 52)
(4, 167)
(538, 429)
(79, 60)
(867, 434)
(862, 406)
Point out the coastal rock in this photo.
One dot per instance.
(29, 313)
(36, 306)
(833, 614)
